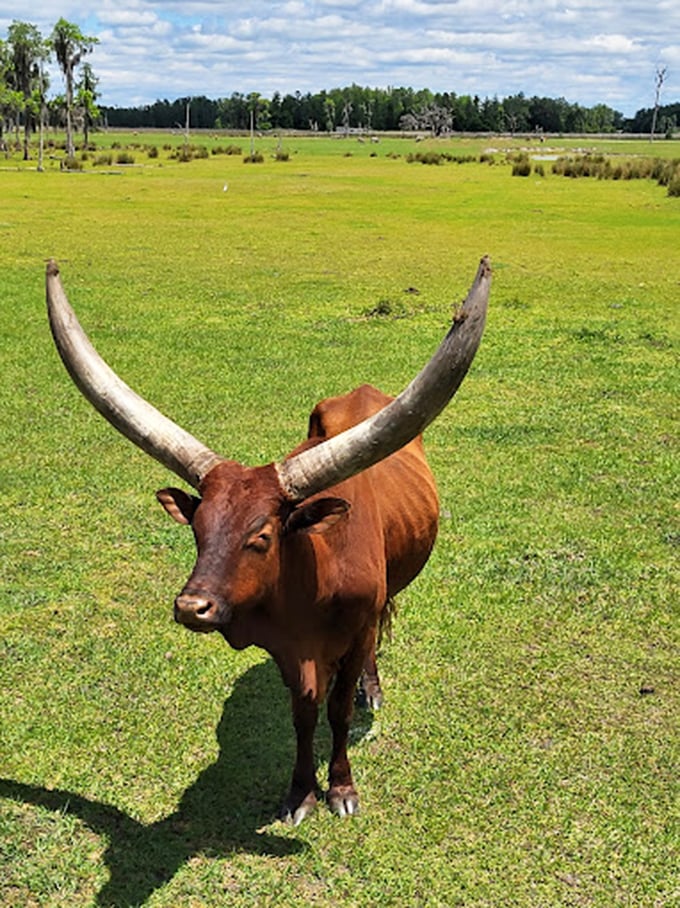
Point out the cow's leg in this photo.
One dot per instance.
(301, 799)
(342, 795)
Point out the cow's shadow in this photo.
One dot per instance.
(218, 815)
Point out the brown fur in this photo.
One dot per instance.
(312, 584)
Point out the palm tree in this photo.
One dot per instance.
(87, 99)
(70, 45)
(41, 106)
(5, 89)
(27, 49)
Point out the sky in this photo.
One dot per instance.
(587, 52)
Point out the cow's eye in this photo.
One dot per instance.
(260, 539)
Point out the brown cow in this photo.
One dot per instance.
(301, 557)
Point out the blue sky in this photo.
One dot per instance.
(586, 52)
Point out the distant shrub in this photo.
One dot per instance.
(639, 169)
(425, 157)
(635, 168)
(521, 166)
(581, 166)
(105, 159)
(152, 151)
(669, 172)
(228, 150)
(124, 157)
(256, 158)
(674, 187)
(282, 155)
(539, 170)
(186, 153)
(605, 172)
(658, 170)
(386, 308)
(71, 163)
(380, 310)
(440, 157)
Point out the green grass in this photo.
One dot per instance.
(527, 754)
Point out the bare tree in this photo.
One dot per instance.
(434, 118)
(346, 114)
(70, 45)
(329, 114)
(659, 79)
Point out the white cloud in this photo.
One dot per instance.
(589, 53)
(126, 17)
(210, 44)
(613, 44)
(342, 4)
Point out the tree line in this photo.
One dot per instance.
(24, 103)
(668, 118)
(392, 109)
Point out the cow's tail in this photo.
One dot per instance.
(385, 621)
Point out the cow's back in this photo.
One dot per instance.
(401, 487)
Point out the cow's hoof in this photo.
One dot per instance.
(294, 810)
(343, 801)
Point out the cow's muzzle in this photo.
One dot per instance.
(201, 611)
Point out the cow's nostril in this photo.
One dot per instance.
(204, 607)
(200, 611)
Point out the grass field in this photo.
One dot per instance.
(528, 750)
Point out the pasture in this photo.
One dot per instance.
(528, 750)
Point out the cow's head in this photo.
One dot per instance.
(244, 514)
(240, 522)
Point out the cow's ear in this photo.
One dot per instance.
(317, 516)
(179, 505)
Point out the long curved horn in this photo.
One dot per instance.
(400, 421)
(128, 412)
